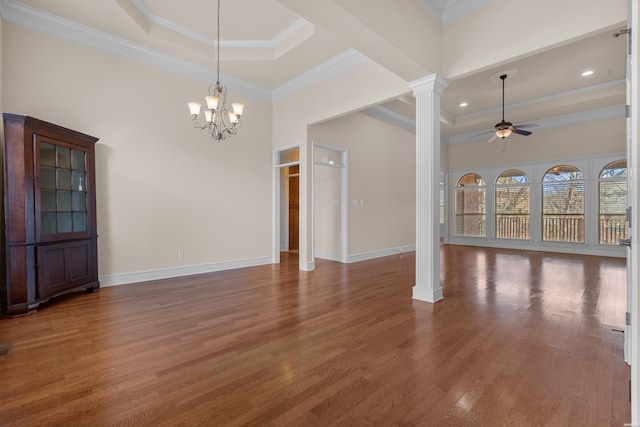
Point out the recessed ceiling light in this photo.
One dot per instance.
(463, 104)
(587, 73)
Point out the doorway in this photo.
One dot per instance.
(293, 213)
(330, 203)
(286, 201)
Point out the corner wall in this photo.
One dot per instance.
(162, 186)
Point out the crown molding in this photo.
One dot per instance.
(294, 31)
(392, 117)
(332, 67)
(30, 17)
(555, 96)
(21, 14)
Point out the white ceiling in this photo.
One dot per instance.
(268, 49)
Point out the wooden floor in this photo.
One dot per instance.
(521, 339)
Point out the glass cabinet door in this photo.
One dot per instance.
(63, 191)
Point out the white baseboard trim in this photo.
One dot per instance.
(427, 295)
(559, 247)
(381, 253)
(329, 256)
(167, 273)
(307, 266)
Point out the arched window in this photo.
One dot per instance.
(470, 208)
(612, 190)
(512, 205)
(563, 204)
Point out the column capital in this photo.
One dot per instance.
(428, 84)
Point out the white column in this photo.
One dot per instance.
(427, 92)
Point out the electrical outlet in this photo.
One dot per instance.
(375, 242)
(180, 253)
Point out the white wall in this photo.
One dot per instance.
(345, 93)
(381, 175)
(162, 185)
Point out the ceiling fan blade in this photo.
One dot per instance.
(528, 125)
(493, 138)
(521, 132)
(480, 134)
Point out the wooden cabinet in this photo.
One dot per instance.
(50, 233)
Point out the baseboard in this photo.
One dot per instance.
(167, 273)
(381, 253)
(427, 295)
(558, 247)
(307, 266)
(328, 256)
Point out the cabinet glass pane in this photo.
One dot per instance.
(47, 177)
(48, 223)
(77, 160)
(48, 201)
(64, 157)
(77, 180)
(78, 201)
(64, 222)
(64, 200)
(64, 179)
(79, 221)
(47, 154)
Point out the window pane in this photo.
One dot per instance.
(615, 169)
(47, 154)
(77, 159)
(470, 179)
(77, 180)
(512, 176)
(563, 198)
(64, 222)
(613, 208)
(48, 201)
(512, 212)
(47, 177)
(470, 212)
(64, 200)
(563, 205)
(79, 221)
(48, 223)
(64, 179)
(562, 173)
(78, 201)
(64, 157)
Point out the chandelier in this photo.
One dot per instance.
(219, 121)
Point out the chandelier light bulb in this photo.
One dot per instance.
(194, 108)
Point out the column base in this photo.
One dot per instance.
(427, 295)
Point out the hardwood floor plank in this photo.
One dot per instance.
(520, 339)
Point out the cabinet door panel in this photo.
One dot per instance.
(64, 266)
(78, 262)
(51, 269)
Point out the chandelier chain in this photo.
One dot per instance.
(218, 47)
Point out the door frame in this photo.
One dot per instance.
(633, 160)
(277, 201)
(344, 196)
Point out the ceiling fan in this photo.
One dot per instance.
(504, 129)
